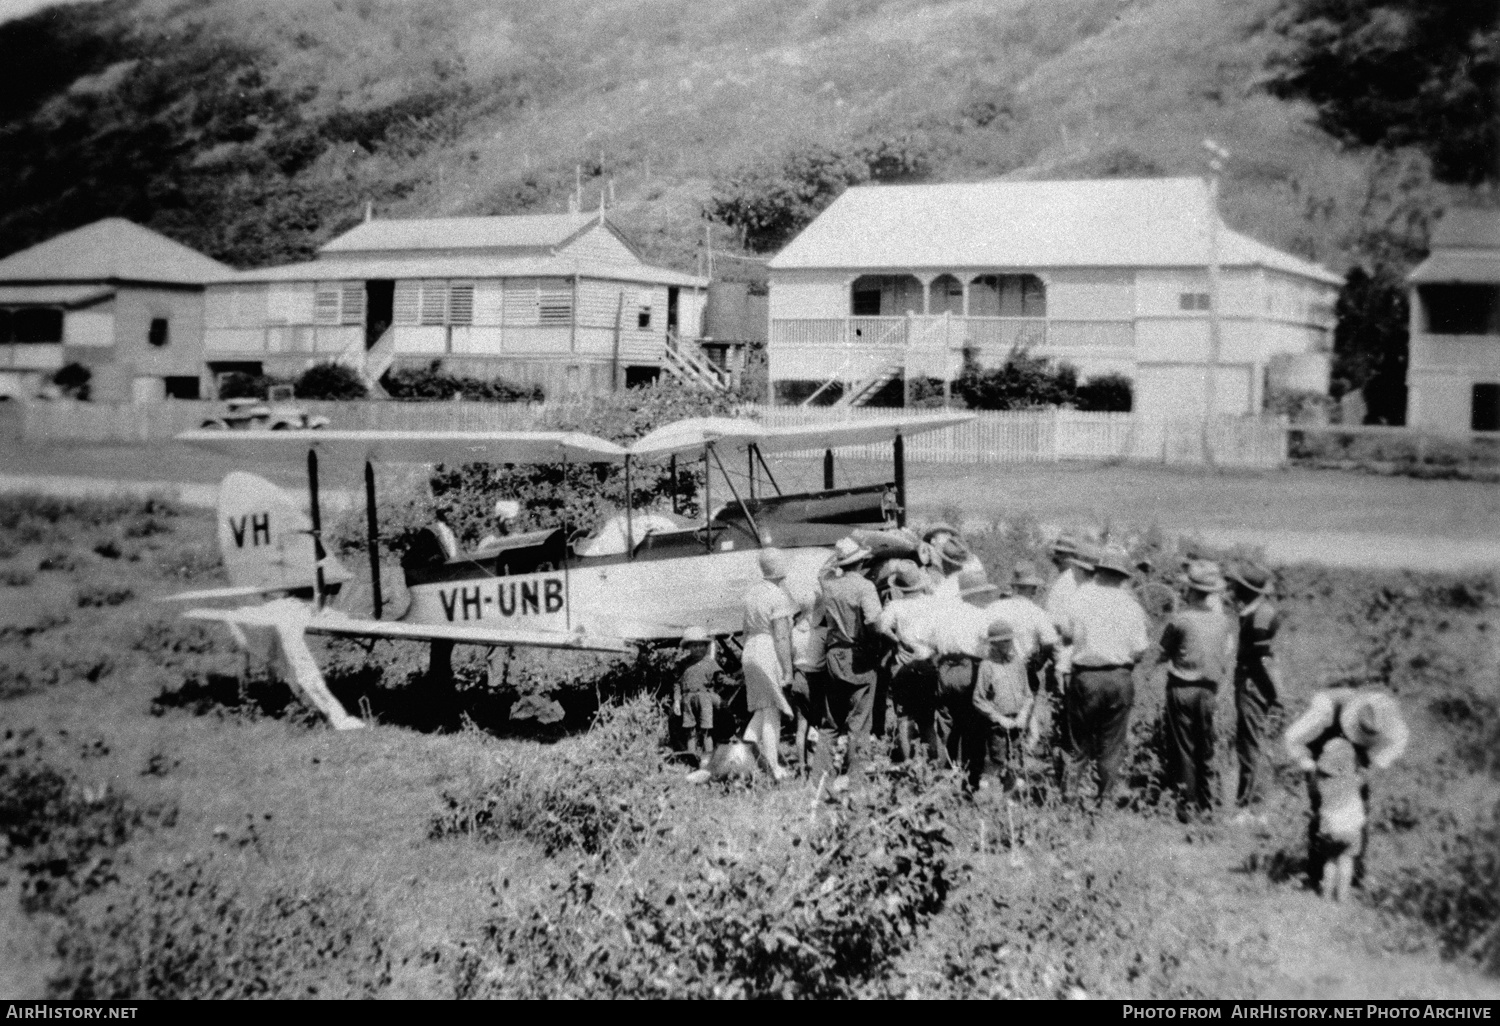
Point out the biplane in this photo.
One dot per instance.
(641, 577)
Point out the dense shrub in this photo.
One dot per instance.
(432, 382)
(598, 796)
(819, 909)
(1106, 393)
(204, 931)
(73, 380)
(56, 832)
(239, 385)
(330, 381)
(1022, 382)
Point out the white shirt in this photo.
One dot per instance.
(1034, 628)
(943, 625)
(1107, 627)
(1061, 593)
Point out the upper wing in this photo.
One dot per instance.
(736, 435)
(278, 614)
(355, 447)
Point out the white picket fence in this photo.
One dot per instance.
(1018, 436)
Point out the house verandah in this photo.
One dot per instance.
(1116, 276)
(553, 300)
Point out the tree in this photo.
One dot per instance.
(1370, 343)
(330, 381)
(1394, 73)
(1107, 393)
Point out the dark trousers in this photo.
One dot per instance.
(841, 709)
(1190, 736)
(914, 688)
(1098, 702)
(1256, 713)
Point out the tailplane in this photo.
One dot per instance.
(265, 540)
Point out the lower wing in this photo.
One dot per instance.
(275, 614)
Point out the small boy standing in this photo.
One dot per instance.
(1196, 645)
(693, 697)
(1339, 832)
(1003, 702)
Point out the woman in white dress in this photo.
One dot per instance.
(767, 657)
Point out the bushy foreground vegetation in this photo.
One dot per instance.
(585, 866)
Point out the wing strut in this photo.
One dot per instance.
(735, 492)
(629, 523)
(372, 534)
(764, 466)
(898, 448)
(828, 469)
(317, 525)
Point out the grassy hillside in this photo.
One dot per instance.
(255, 131)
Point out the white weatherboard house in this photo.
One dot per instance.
(1453, 366)
(115, 297)
(1110, 276)
(560, 300)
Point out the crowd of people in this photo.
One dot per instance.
(906, 641)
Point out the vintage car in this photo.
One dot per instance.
(271, 414)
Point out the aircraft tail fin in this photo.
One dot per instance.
(265, 539)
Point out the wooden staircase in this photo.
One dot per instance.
(861, 392)
(692, 368)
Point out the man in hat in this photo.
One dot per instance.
(1197, 645)
(693, 698)
(507, 513)
(958, 639)
(1371, 722)
(1035, 635)
(1257, 684)
(851, 654)
(906, 623)
(1106, 628)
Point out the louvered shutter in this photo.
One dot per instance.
(461, 302)
(555, 301)
(406, 303)
(326, 303)
(520, 301)
(434, 302)
(353, 303)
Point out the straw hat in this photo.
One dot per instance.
(973, 583)
(1065, 545)
(953, 553)
(1252, 576)
(1112, 560)
(773, 564)
(1203, 576)
(939, 528)
(909, 582)
(1000, 630)
(847, 551)
(1370, 719)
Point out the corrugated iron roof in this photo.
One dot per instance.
(1154, 222)
(70, 296)
(1448, 268)
(522, 231)
(469, 267)
(1467, 228)
(112, 250)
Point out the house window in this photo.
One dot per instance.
(31, 324)
(157, 333)
(1485, 411)
(181, 387)
(1192, 301)
(867, 303)
(1462, 309)
(1007, 295)
(643, 316)
(326, 303)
